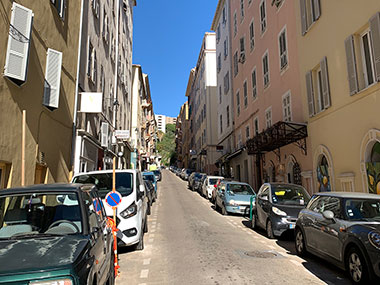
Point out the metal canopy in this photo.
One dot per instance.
(277, 136)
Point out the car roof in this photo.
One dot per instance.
(107, 171)
(357, 195)
(283, 183)
(55, 187)
(234, 182)
(211, 176)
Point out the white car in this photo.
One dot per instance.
(131, 218)
(209, 185)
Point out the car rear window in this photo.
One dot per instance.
(213, 181)
(149, 177)
(103, 181)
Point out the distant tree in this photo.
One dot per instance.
(166, 145)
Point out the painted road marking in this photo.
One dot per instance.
(146, 261)
(144, 273)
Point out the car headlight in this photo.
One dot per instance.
(64, 281)
(130, 211)
(374, 238)
(277, 211)
(232, 203)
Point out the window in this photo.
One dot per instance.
(256, 125)
(236, 62)
(310, 12)
(218, 33)
(220, 94)
(238, 103)
(60, 5)
(263, 17)
(219, 67)
(241, 10)
(268, 117)
(95, 7)
(286, 107)
(251, 36)
(228, 116)
(242, 50)
(105, 27)
(16, 62)
(224, 17)
(245, 94)
(266, 69)
(225, 48)
(366, 50)
(226, 82)
(254, 84)
(283, 49)
(89, 59)
(221, 124)
(247, 132)
(317, 87)
(235, 24)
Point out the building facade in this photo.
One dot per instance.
(340, 74)
(161, 123)
(39, 45)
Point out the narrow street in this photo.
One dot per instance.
(188, 242)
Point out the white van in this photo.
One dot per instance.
(208, 185)
(131, 213)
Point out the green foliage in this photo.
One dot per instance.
(166, 146)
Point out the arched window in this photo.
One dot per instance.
(373, 170)
(323, 176)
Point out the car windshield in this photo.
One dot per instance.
(213, 181)
(240, 189)
(283, 194)
(149, 177)
(188, 171)
(198, 176)
(39, 214)
(103, 182)
(363, 209)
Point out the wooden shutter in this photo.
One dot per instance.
(351, 65)
(325, 84)
(317, 9)
(104, 134)
(52, 78)
(303, 16)
(310, 93)
(374, 23)
(16, 62)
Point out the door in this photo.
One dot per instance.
(263, 205)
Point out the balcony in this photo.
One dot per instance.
(145, 104)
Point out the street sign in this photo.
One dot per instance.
(113, 199)
(122, 134)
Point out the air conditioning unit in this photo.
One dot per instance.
(104, 132)
(242, 57)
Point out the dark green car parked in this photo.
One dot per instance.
(54, 234)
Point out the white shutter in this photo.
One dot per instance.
(325, 84)
(104, 134)
(52, 78)
(374, 23)
(317, 9)
(351, 65)
(303, 16)
(18, 43)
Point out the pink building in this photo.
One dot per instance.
(267, 96)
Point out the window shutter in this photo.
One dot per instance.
(317, 9)
(325, 83)
(104, 134)
(303, 17)
(374, 23)
(16, 62)
(351, 65)
(310, 93)
(52, 78)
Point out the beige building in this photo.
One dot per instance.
(182, 137)
(171, 120)
(38, 50)
(340, 73)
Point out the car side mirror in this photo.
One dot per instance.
(142, 189)
(328, 215)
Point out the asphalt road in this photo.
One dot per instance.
(188, 242)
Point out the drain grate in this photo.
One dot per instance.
(261, 254)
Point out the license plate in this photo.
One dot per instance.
(292, 226)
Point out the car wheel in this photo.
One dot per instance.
(224, 211)
(269, 229)
(146, 226)
(253, 221)
(140, 245)
(149, 210)
(356, 266)
(300, 243)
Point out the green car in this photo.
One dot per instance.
(54, 234)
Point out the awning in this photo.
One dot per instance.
(235, 153)
(277, 136)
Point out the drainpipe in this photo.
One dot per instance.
(74, 134)
(116, 69)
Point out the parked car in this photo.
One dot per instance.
(150, 193)
(233, 197)
(192, 180)
(149, 175)
(277, 207)
(344, 229)
(132, 211)
(209, 185)
(158, 174)
(198, 183)
(186, 173)
(46, 240)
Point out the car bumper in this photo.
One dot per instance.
(283, 224)
(209, 193)
(374, 257)
(129, 233)
(237, 209)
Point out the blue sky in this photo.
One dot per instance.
(167, 38)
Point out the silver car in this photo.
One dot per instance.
(344, 229)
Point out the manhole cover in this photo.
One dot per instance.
(261, 254)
